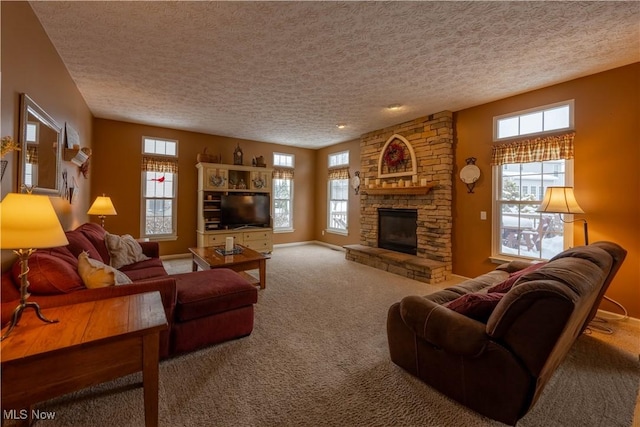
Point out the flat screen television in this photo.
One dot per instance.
(238, 210)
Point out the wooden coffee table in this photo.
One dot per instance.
(93, 342)
(209, 258)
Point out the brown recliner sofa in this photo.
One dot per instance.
(498, 362)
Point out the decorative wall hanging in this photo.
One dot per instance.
(72, 137)
(397, 158)
(470, 174)
(355, 182)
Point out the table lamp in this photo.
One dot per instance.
(561, 200)
(28, 222)
(102, 207)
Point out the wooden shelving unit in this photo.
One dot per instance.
(397, 190)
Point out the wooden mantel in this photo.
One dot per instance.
(397, 190)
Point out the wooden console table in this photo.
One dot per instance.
(93, 342)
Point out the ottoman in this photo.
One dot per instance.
(212, 306)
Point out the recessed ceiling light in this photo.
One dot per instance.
(394, 107)
(341, 126)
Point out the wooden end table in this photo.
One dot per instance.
(93, 342)
(208, 258)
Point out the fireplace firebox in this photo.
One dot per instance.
(397, 230)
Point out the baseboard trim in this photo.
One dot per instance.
(617, 317)
(309, 242)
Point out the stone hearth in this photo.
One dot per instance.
(431, 138)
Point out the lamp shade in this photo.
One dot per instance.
(29, 221)
(560, 200)
(102, 206)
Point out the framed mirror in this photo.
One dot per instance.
(41, 149)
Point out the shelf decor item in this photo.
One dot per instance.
(208, 158)
(237, 155)
(216, 179)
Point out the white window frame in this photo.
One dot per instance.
(570, 103)
(496, 233)
(286, 164)
(338, 160)
(289, 162)
(143, 200)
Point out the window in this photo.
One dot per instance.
(284, 160)
(159, 188)
(540, 120)
(338, 192)
(518, 230)
(339, 159)
(283, 192)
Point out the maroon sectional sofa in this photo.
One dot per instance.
(202, 308)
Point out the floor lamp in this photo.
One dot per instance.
(562, 201)
(28, 222)
(102, 206)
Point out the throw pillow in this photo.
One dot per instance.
(48, 275)
(476, 306)
(506, 285)
(96, 274)
(124, 250)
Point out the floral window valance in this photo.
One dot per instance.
(282, 173)
(155, 164)
(541, 149)
(339, 173)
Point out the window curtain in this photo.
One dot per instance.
(282, 173)
(339, 173)
(154, 164)
(555, 147)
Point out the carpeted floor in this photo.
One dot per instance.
(318, 357)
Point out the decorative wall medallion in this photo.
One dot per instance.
(470, 174)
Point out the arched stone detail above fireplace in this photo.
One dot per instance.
(384, 170)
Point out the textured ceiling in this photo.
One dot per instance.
(288, 72)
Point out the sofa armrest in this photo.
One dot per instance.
(442, 327)
(150, 249)
(165, 285)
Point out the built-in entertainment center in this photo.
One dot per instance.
(234, 201)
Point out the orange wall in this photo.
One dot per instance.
(27, 52)
(116, 171)
(321, 195)
(606, 172)
(31, 65)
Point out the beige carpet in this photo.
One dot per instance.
(318, 357)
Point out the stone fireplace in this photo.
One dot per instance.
(431, 141)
